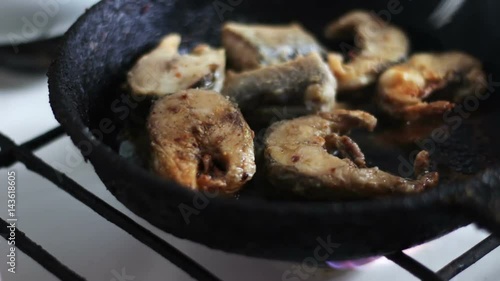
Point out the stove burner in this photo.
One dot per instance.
(346, 265)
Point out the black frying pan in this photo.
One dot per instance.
(105, 42)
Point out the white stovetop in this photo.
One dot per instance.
(96, 249)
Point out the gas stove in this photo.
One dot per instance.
(77, 240)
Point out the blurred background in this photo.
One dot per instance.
(31, 29)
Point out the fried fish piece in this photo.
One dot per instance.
(164, 71)
(253, 46)
(297, 154)
(403, 88)
(303, 81)
(378, 46)
(200, 140)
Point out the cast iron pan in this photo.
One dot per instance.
(98, 50)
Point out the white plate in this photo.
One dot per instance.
(23, 21)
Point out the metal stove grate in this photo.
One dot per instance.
(11, 153)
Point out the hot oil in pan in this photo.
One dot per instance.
(459, 147)
(133, 140)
